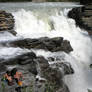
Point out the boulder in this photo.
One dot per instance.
(49, 44)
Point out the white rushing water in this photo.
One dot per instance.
(40, 20)
(30, 25)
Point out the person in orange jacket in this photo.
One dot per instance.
(17, 76)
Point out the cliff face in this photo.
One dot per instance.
(83, 17)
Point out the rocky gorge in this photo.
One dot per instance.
(39, 75)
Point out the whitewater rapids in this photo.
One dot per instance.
(53, 22)
(31, 25)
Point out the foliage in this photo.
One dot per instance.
(3, 86)
(50, 87)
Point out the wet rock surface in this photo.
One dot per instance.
(90, 65)
(48, 44)
(83, 17)
(7, 22)
(85, 2)
(32, 66)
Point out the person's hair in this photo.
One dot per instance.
(13, 71)
(8, 72)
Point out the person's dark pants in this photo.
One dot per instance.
(18, 89)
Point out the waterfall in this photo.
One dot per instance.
(50, 20)
(30, 24)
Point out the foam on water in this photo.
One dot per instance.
(29, 25)
(10, 52)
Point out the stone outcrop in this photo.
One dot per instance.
(31, 66)
(7, 22)
(54, 75)
(85, 2)
(90, 65)
(49, 44)
(66, 67)
(83, 17)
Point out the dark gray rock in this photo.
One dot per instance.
(82, 17)
(50, 44)
(76, 14)
(30, 64)
(85, 2)
(2, 68)
(90, 65)
(25, 58)
(65, 67)
(53, 75)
